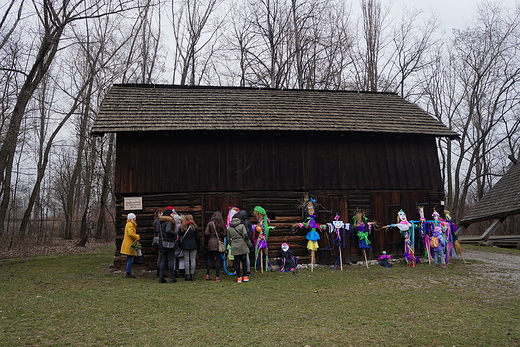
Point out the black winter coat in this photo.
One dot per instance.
(167, 233)
(190, 238)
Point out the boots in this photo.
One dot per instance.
(176, 274)
(182, 273)
(191, 277)
(187, 278)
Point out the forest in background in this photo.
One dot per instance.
(58, 59)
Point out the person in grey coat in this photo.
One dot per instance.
(237, 236)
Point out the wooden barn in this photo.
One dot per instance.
(203, 149)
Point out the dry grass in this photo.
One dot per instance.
(74, 300)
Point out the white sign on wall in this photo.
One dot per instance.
(133, 203)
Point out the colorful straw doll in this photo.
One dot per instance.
(384, 259)
(404, 227)
(262, 234)
(362, 228)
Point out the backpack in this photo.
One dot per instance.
(434, 242)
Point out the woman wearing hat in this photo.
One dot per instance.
(126, 247)
(167, 234)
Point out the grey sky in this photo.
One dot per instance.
(451, 13)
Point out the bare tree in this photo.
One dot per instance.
(106, 162)
(270, 55)
(372, 30)
(412, 44)
(53, 18)
(475, 93)
(190, 20)
(143, 58)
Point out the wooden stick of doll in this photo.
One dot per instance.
(338, 225)
(423, 231)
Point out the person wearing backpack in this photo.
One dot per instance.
(438, 251)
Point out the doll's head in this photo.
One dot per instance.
(401, 217)
(285, 247)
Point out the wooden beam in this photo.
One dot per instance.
(492, 228)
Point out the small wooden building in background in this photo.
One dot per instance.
(203, 149)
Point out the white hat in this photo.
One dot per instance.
(130, 216)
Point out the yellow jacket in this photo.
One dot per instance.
(130, 237)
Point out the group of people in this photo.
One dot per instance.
(179, 242)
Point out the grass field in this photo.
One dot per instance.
(74, 300)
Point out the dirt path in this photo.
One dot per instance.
(501, 269)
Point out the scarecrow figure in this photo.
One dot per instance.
(227, 258)
(404, 227)
(310, 222)
(384, 259)
(231, 212)
(362, 228)
(423, 229)
(288, 260)
(261, 236)
(338, 227)
(453, 229)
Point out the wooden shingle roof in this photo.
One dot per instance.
(500, 201)
(166, 107)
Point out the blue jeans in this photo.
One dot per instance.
(129, 262)
(439, 254)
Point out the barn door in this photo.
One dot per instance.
(217, 202)
(385, 206)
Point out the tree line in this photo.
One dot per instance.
(59, 58)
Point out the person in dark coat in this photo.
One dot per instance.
(167, 234)
(157, 227)
(190, 244)
(215, 231)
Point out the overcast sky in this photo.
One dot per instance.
(451, 13)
